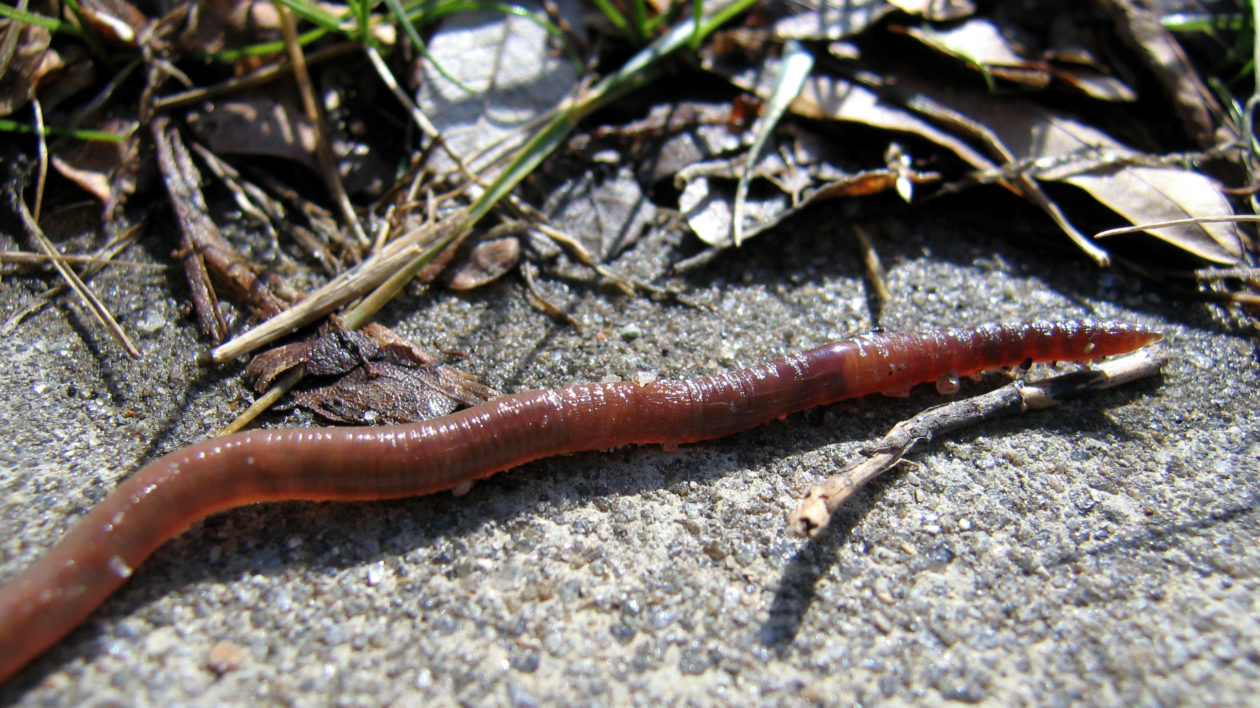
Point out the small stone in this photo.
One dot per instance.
(151, 321)
(224, 657)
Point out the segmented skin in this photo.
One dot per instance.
(57, 592)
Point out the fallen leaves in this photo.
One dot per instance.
(372, 376)
(826, 101)
(1018, 136)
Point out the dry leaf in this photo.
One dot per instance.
(1067, 150)
(484, 263)
(372, 376)
(706, 201)
(26, 64)
(1016, 131)
(1193, 104)
(606, 210)
(499, 99)
(217, 24)
(1096, 84)
(829, 20)
(831, 98)
(271, 124)
(117, 21)
(980, 42)
(64, 72)
(708, 207)
(92, 164)
(936, 10)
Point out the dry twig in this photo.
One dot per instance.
(813, 514)
(323, 150)
(75, 283)
(345, 287)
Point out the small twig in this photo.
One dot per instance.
(1211, 274)
(259, 77)
(541, 302)
(814, 512)
(41, 144)
(1235, 218)
(102, 257)
(75, 283)
(323, 149)
(184, 189)
(578, 251)
(345, 287)
(25, 258)
(267, 400)
(875, 272)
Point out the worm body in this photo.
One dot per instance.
(57, 592)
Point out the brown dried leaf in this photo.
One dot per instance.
(388, 394)
(605, 210)
(1095, 84)
(1193, 104)
(117, 21)
(28, 61)
(371, 377)
(62, 73)
(266, 367)
(1072, 152)
(216, 24)
(1147, 195)
(707, 198)
(271, 124)
(708, 206)
(868, 182)
(274, 124)
(1014, 131)
(831, 98)
(91, 164)
(487, 111)
(485, 263)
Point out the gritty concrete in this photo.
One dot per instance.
(1106, 552)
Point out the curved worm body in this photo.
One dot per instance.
(60, 590)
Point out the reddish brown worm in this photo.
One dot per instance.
(57, 592)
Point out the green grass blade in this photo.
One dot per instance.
(49, 23)
(697, 16)
(314, 14)
(641, 69)
(10, 126)
(400, 13)
(794, 68)
(639, 21)
(614, 16)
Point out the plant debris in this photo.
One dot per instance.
(797, 104)
(370, 376)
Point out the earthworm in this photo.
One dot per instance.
(57, 592)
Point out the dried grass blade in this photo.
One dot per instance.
(72, 280)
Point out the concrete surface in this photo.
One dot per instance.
(1107, 552)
